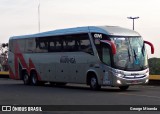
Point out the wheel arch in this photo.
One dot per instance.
(32, 71)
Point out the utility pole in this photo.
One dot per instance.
(39, 23)
(133, 18)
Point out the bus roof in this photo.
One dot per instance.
(108, 30)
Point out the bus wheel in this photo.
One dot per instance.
(123, 88)
(94, 83)
(26, 79)
(34, 79)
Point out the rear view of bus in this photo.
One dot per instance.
(93, 55)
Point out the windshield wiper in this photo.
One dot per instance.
(129, 55)
(143, 48)
(135, 55)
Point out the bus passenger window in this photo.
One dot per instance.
(30, 45)
(106, 55)
(41, 45)
(59, 45)
(69, 45)
(83, 43)
(54, 44)
(86, 46)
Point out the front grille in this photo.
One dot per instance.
(134, 76)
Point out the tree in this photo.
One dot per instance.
(4, 57)
(154, 65)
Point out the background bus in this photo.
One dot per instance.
(94, 55)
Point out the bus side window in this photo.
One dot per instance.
(69, 43)
(106, 56)
(59, 45)
(21, 45)
(98, 46)
(30, 45)
(41, 45)
(85, 44)
(54, 44)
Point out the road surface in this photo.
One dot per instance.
(13, 92)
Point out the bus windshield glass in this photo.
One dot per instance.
(131, 53)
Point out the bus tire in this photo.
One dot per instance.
(123, 88)
(34, 79)
(26, 78)
(94, 83)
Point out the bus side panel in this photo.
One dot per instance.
(18, 60)
(13, 60)
(44, 64)
(84, 61)
(11, 64)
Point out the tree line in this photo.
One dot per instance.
(154, 66)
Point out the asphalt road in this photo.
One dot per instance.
(13, 92)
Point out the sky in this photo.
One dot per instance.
(20, 17)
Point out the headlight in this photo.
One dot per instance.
(119, 73)
(147, 73)
(147, 80)
(119, 82)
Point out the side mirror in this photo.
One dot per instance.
(151, 45)
(113, 47)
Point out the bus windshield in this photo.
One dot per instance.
(131, 53)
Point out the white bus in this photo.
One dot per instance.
(93, 55)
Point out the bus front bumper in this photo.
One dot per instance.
(122, 82)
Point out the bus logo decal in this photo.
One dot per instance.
(66, 59)
(99, 36)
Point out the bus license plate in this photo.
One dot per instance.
(134, 82)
